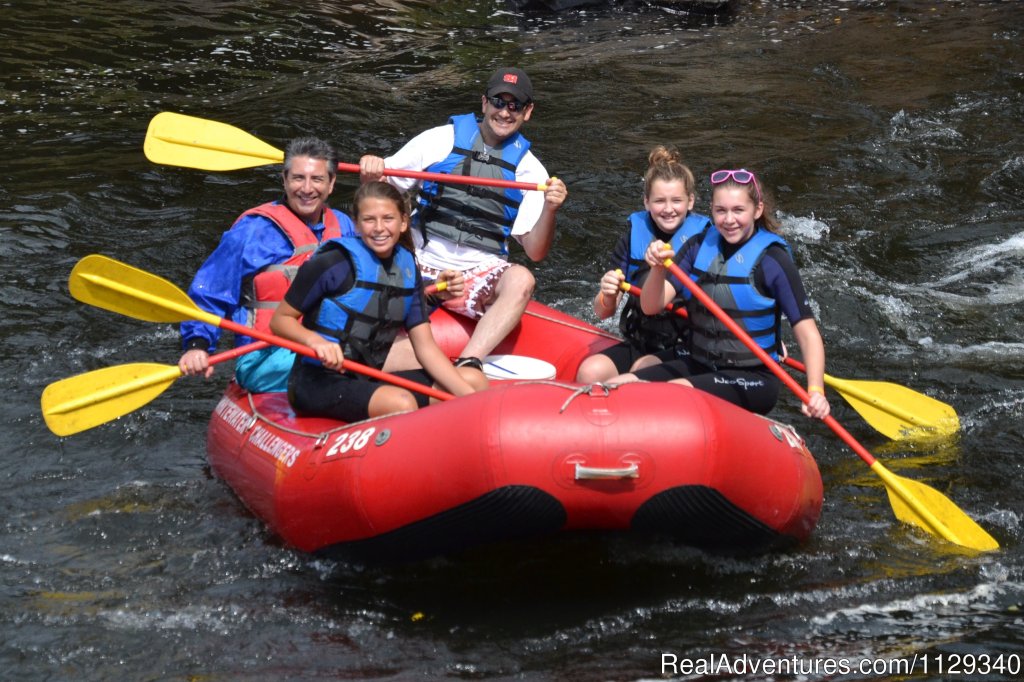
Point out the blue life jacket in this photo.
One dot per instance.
(641, 234)
(472, 215)
(651, 333)
(366, 318)
(730, 284)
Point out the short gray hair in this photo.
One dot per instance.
(314, 148)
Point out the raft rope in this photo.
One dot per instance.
(592, 330)
(320, 437)
(584, 390)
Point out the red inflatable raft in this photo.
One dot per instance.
(522, 459)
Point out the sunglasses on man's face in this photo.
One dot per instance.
(512, 105)
(741, 176)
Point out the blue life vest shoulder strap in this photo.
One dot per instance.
(740, 265)
(642, 232)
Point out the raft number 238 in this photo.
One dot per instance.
(350, 440)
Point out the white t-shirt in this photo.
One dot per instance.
(432, 146)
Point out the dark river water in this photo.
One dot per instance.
(892, 135)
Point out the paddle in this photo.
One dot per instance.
(180, 140)
(912, 502)
(86, 400)
(894, 411)
(121, 288)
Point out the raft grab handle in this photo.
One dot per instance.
(605, 473)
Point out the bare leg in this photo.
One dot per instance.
(391, 399)
(510, 298)
(401, 355)
(601, 368)
(596, 368)
(476, 378)
(630, 378)
(645, 361)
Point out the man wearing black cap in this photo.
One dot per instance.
(466, 227)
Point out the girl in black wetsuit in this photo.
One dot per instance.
(667, 215)
(351, 299)
(748, 271)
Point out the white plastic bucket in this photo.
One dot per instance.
(517, 368)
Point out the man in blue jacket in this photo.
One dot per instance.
(250, 270)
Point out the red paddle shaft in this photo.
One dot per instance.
(681, 312)
(237, 352)
(260, 345)
(450, 179)
(347, 364)
(771, 364)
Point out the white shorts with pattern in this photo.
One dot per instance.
(481, 281)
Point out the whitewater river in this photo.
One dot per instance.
(891, 134)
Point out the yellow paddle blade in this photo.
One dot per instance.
(896, 411)
(180, 140)
(121, 288)
(920, 505)
(87, 400)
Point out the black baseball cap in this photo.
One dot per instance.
(513, 81)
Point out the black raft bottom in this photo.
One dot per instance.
(701, 516)
(506, 513)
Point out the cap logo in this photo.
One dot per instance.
(510, 78)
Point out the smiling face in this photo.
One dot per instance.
(668, 202)
(500, 124)
(380, 223)
(307, 184)
(734, 212)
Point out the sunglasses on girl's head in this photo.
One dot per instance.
(741, 176)
(513, 105)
